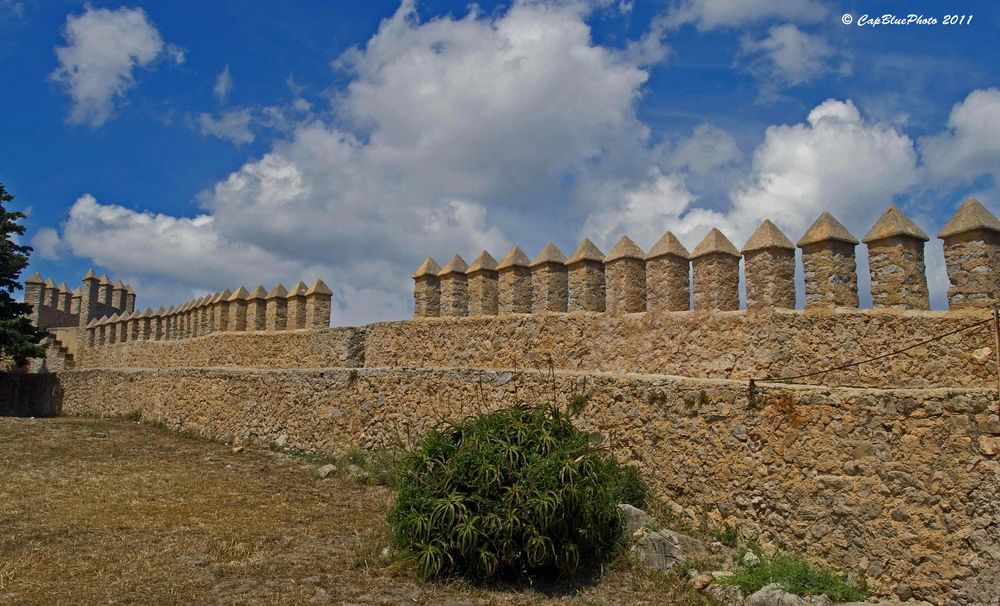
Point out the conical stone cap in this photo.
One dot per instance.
(64, 289)
(514, 258)
(241, 294)
(90, 275)
(223, 296)
(893, 223)
(456, 265)
(586, 251)
(625, 248)
(105, 279)
(76, 292)
(428, 268)
(119, 285)
(278, 292)
(714, 242)
(50, 284)
(299, 290)
(319, 287)
(257, 293)
(668, 244)
(484, 262)
(549, 254)
(35, 278)
(767, 236)
(160, 311)
(970, 216)
(825, 229)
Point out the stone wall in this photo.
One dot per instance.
(719, 345)
(899, 485)
(331, 347)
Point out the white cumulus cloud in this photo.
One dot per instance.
(786, 56)
(712, 14)
(970, 147)
(103, 49)
(232, 125)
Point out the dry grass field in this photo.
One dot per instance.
(99, 511)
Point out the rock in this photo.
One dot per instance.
(237, 449)
(774, 595)
(326, 470)
(320, 597)
(726, 595)
(282, 441)
(750, 559)
(636, 518)
(665, 549)
(819, 600)
(357, 473)
(702, 581)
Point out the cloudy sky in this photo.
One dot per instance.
(191, 146)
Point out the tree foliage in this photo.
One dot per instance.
(18, 338)
(517, 492)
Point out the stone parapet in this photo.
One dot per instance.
(829, 268)
(668, 275)
(972, 256)
(625, 271)
(427, 290)
(549, 281)
(586, 278)
(483, 279)
(454, 288)
(514, 283)
(896, 262)
(715, 265)
(769, 266)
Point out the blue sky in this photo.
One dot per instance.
(191, 146)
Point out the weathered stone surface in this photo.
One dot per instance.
(483, 286)
(514, 283)
(896, 262)
(636, 518)
(586, 278)
(829, 269)
(326, 470)
(427, 290)
(625, 271)
(256, 311)
(276, 309)
(972, 256)
(668, 275)
(664, 549)
(769, 266)
(549, 281)
(715, 265)
(735, 345)
(774, 595)
(454, 288)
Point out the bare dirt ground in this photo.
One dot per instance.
(100, 511)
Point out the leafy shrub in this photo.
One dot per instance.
(795, 575)
(516, 492)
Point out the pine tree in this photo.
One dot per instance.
(18, 338)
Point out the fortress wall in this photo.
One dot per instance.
(329, 347)
(718, 345)
(899, 485)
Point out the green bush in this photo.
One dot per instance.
(516, 492)
(795, 575)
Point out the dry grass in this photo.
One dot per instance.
(113, 512)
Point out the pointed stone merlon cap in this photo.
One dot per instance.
(64, 289)
(257, 293)
(90, 275)
(222, 296)
(668, 245)
(428, 268)
(319, 288)
(35, 279)
(514, 258)
(278, 292)
(586, 251)
(299, 290)
(240, 294)
(625, 248)
(826, 229)
(892, 224)
(50, 284)
(105, 279)
(549, 254)
(456, 265)
(970, 216)
(119, 285)
(484, 262)
(767, 236)
(714, 242)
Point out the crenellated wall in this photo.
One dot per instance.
(629, 281)
(889, 468)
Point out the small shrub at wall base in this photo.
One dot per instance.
(794, 574)
(516, 493)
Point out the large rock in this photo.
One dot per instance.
(774, 595)
(636, 518)
(665, 549)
